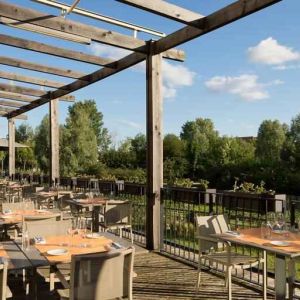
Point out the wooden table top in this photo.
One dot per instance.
(74, 245)
(17, 215)
(252, 237)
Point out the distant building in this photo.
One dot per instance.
(247, 138)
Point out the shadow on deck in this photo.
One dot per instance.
(160, 277)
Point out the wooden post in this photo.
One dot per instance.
(11, 149)
(54, 141)
(154, 150)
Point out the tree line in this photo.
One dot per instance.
(198, 153)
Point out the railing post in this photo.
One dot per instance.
(11, 149)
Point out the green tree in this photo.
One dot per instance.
(80, 137)
(173, 146)
(270, 140)
(95, 121)
(25, 157)
(139, 149)
(200, 138)
(42, 144)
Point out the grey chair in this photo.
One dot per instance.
(101, 276)
(5, 292)
(46, 228)
(213, 251)
(117, 216)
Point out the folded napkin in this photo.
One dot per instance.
(39, 240)
(7, 211)
(235, 233)
(117, 245)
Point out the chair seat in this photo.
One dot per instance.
(64, 294)
(236, 259)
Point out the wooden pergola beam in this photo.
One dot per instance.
(220, 18)
(55, 51)
(94, 33)
(10, 103)
(31, 80)
(6, 109)
(22, 64)
(17, 97)
(31, 92)
(165, 9)
(46, 31)
(217, 19)
(20, 117)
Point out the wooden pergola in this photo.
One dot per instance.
(15, 101)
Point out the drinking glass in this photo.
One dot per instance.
(266, 230)
(25, 240)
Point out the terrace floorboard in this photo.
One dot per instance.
(159, 277)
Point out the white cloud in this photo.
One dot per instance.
(245, 86)
(108, 51)
(270, 52)
(130, 124)
(175, 76)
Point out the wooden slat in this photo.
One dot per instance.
(29, 92)
(6, 109)
(18, 63)
(31, 80)
(165, 9)
(10, 103)
(122, 64)
(95, 33)
(20, 117)
(55, 51)
(17, 97)
(218, 19)
(222, 17)
(42, 30)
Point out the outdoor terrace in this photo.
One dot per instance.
(160, 277)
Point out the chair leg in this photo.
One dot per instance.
(229, 288)
(51, 281)
(131, 235)
(265, 275)
(291, 278)
(198, 275)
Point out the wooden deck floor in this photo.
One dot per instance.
(160, 277)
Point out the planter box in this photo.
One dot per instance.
(260, 203)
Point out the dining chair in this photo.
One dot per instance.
(46, 228)
(213, 251)
(101, 276)
(117, 216)
(5, 292)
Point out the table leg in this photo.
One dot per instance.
(280, 277)
(33, 285)
(291, 278)
(95, 220)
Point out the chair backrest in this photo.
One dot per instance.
(207, 225)
(102, 276)
(45, 228)
(3, 279)
(117, 212)
(18, 206)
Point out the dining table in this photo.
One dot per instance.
(37, 254)
(283, 244)
(13, 218)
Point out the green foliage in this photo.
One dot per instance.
(128, 175)
(249, 187)
(183, 182)
(270, 139)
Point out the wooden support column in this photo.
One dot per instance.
(54, 141)
(154, 150)
(11, 148)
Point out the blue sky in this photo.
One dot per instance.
(237, 76)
